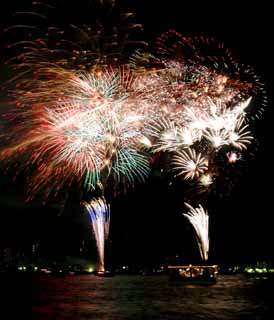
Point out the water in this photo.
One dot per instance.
(143, 297)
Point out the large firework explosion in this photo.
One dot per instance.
(75, 113)
(205, 102)
(88, 134)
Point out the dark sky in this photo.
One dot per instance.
(147, 223)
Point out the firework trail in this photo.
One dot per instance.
(198, 217)
(38, 43)
(99, 212)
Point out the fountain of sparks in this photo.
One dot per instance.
(198, 217)
(99, 212)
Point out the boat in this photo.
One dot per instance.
(200, 275)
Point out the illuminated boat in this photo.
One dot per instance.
(201, 275)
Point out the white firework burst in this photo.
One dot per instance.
(217, 138)
(190, 163)
(240, 136)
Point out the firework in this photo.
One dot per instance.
(90, 108)
(189, 163)
(36, 44)
(198, 217)
(90, 134)
(75, 116)
(99, 212)
(93, 104)
(203, 103)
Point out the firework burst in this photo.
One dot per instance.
(189, 163)
(90, 107)
(91, 134)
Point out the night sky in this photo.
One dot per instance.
(147, 225)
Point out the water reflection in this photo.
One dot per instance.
(150, 297)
